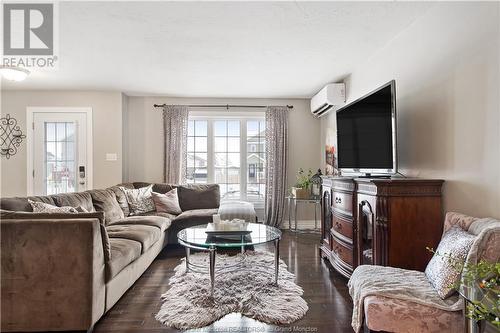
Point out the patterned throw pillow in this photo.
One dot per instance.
(41, 207)
(140, 200)
(167, 203)
(454, 247)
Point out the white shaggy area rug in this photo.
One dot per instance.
(251, 291)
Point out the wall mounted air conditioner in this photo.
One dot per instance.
(333, 94)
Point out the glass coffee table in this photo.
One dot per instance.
(197, 239)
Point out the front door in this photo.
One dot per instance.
(60, 154)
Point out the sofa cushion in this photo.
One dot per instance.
(64, 216)
(188, 219)
(145, 234)
(162, 214)
(105, 201)
(199, 196)
(77, 199)
(123, 252)
(198, 215)
(21, 204)
(160, 222)
(398, 315)
(122, 198)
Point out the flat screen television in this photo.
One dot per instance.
(366, 133)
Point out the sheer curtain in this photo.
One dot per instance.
(276, 164)
(175, 121)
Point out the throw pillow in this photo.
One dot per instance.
(140, 200)
(453, 248)
(167, 203)
(199, 196)
(41, 207)
(81, 209)
(105, 201)
(122, 198)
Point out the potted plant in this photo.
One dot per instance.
(480, 286)
(301, 189)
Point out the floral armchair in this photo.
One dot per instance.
(404, 301)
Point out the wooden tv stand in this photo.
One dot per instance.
(376, 221)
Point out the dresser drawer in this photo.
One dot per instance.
(344, 252)
(342, 226)
(342, 202)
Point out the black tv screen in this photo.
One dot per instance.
(366, 131)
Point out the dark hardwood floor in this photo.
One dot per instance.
(330, 306)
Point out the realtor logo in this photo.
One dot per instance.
(28, 29)
(29, 34)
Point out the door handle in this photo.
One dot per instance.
(81, 174)
(81, 170)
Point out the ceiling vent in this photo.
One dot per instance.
(333, 94)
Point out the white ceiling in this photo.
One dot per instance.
(218, 49)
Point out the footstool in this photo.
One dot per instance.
(242, 210)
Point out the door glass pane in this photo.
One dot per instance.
(60, 131)
(70, 132)
(50, 131)
(60, 154)
(50, 151)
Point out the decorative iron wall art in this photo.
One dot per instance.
(11, 136)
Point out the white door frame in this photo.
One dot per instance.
(30, 110)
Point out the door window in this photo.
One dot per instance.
(59, 164)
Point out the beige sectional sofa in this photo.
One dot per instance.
(64, 271)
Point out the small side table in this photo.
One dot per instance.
(470, 295)
(292, 205)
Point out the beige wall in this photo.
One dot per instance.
(446, 67)
(107, 128)
(145, 135)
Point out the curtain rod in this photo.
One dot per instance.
(227, 106)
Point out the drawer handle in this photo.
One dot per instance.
(338, 225)
(338, 200)
(337, 250)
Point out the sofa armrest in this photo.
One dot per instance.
(52, 274)
(456, 219)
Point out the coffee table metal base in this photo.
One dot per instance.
(212, 255)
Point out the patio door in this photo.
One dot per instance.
(60, 154)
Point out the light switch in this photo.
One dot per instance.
(111, 157)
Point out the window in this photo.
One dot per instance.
(197, 150)
(227, 157)
(229, 151)
(256, 159)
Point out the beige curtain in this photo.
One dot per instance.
(276, 164)
(175, 120)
